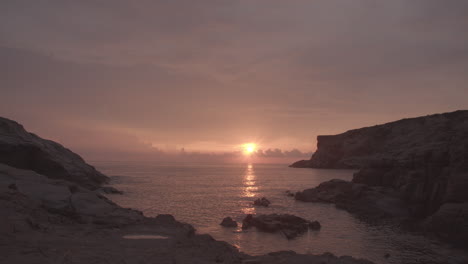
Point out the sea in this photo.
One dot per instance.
(202, 194)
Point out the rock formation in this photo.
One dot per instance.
(24, 150)
(372, 203)
(228, 222)
(262, 202)
(290, 225)
(423, 161)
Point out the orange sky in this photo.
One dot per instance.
(126, 79)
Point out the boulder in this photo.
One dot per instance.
(262, 202)
(228, 222)
(24, 150)
(290, 225)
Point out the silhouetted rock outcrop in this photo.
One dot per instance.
(290, 225)
(421, 161)
(228, 222)
(24, 150)
(373, 203)
(262, 202)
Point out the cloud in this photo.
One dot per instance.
(278, 153)
(226, 72)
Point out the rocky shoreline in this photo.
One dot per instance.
(53, 212)
(413, 171)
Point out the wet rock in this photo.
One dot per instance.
(228, 222)
(262, 202)
(290, 225)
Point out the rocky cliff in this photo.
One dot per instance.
(424, 159)
(440, 138)
(24, 150)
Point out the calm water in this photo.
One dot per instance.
(203, 194)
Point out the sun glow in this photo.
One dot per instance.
(249, 148)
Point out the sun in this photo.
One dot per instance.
(249, 148)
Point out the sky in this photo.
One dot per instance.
(117, 79)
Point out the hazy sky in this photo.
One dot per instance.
(208, 75)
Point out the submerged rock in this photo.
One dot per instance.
(24, 150)
(228, 222)
(262, 202)
(290, 225)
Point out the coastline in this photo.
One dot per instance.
(53, 212)
(40, 227)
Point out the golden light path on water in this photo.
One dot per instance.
(249, 182)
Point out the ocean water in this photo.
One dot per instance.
(203, 194)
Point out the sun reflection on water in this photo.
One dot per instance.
(250, 189)
(249, 182)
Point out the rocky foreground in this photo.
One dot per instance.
(413, 170)
(52, 211)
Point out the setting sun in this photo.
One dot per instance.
(249, 148)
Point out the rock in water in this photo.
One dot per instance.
(290, 225)
(262, 202)
(228, 222)
(24, 150)
(422, 162)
